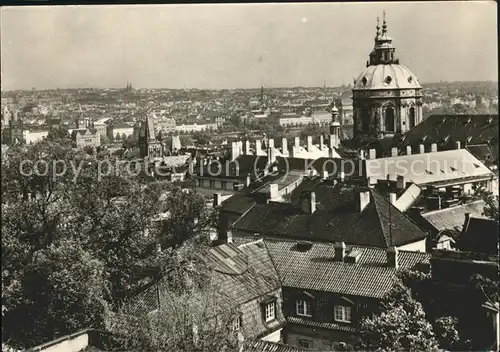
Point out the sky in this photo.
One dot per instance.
(218, 46)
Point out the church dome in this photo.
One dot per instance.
(389, 76)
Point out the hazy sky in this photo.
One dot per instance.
(240, 45)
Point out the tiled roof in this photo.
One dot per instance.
(266, 346)
(446, 129)
(316, 269)
(336, 218)
(324, 325)
(429, 168)
(244, 272)
(453, 218)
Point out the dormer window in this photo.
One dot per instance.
(410, 79)
(342, 314)
(364, 81)
(270, 311)
(303, 308)
(236, 324)
(388, 79)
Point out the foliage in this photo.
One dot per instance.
(79, 241)
(60, 135)
(447, 332)
(491, 205)
(193, 312)
(129, 142)
(202, 138)
(399, 325)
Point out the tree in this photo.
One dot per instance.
(129, 142)
(105, 140)
(446, 332)
(399, 325)
(60, 135)
(75, 236)
(192, 312)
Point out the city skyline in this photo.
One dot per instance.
(230, 46)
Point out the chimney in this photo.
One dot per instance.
(371, 181)
(297, 143)
(271, 155)
(372, 154)
(341, 176)
(325, 174)
(247, 147)
(273, 191)
(284, 147)
(361, 154)
(400, 182)
(408, 150)
(392, 257)
(364, 200)
(270, 143)
(421, 149)
(392, 198)
(434, 147)
(258, 146)
(457, 145)
(339, 251)
(234, 150)
(240, 147)
(466, 222)
(394, 151)
(321, 142)
(309, 143)
(309, 203)
(217, 199)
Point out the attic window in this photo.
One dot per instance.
(410, 79)
(388, 79)
(469, 139)
(468, 121)
(428, 172)
(476, 165)
(490, 120)
(364, 80)
(453, 169)
(445, 139)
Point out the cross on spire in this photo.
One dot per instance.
(378, 28)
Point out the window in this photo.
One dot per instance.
(342, 314)
(412, 117)
(269, 311)
(236, 324)
(304, 343)
(303, 308)
(389, 119)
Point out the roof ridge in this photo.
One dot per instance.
(372, 191)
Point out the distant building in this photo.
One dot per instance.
(119, 129)
(196, 128)
(34, 135)
(86, 138)
(166, 125)
(149, 146)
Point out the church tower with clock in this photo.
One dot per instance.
(387, 98)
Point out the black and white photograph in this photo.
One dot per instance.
(250, 177)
